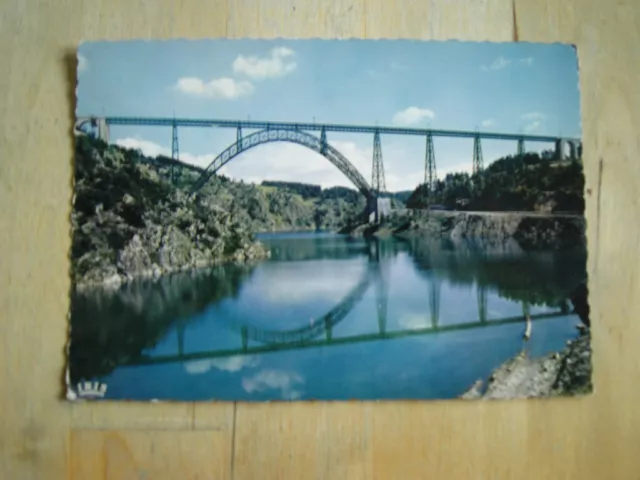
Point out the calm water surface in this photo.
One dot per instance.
(327, 317)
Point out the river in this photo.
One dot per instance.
(327, 317)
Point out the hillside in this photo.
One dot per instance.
(277, 205)
(127, 221)
(531, 183)
(130, 220)
(271, 206)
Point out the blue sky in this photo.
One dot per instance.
(502, 87)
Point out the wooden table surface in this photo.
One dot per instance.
(44, 437)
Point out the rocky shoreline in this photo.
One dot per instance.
(530, 230)
(174, 238)
(564, 373)
(112, 278)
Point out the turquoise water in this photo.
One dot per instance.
(327, 318)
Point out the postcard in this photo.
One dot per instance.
(262, 220)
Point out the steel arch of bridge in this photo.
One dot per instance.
(319, 325)
(291, 136)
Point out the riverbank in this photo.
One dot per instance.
(112, 276)
(531, 230)
(564, 373)
(128, 223)
(112, 326)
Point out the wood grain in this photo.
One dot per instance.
(147, 455)
(42, 436)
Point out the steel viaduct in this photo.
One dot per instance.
(298, 133)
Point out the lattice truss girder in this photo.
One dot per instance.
(318, 326)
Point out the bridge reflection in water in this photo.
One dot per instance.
(326, 317)
(319, 332)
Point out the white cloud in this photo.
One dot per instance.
(288, 382)
(292, 162)
(414, 321)
(498, 64)
(533, 116)
(279, 63)
(217, 88)
(409, 181)
(230, 364)
(488, 122)
(532, 126)
(151, 149)
(502, 62)
(292, 286)
(534, 120)
(83, 64)
(412, 116)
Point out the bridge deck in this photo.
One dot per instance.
(367, 337)
(329, 127)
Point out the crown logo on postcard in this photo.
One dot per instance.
(92, 389)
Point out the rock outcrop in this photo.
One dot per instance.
(559, 374)
(531, 231)
(128, 222)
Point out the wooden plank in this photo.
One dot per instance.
(37, 100)
(306, 440)
(155, 416)
(34, 239)
(488, 20)
(296, 19)
(149, 455)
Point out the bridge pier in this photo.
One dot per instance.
(102, 127)
(245, 338)
(430, 174)
(381, 269)
(478, 163)
(378, 209)
(482, 303)
(560, 149)
(328, 330)
(521, 148)
(575, 150)
(378, 184)
(434, 301)
(323, 141)
(174, 153)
